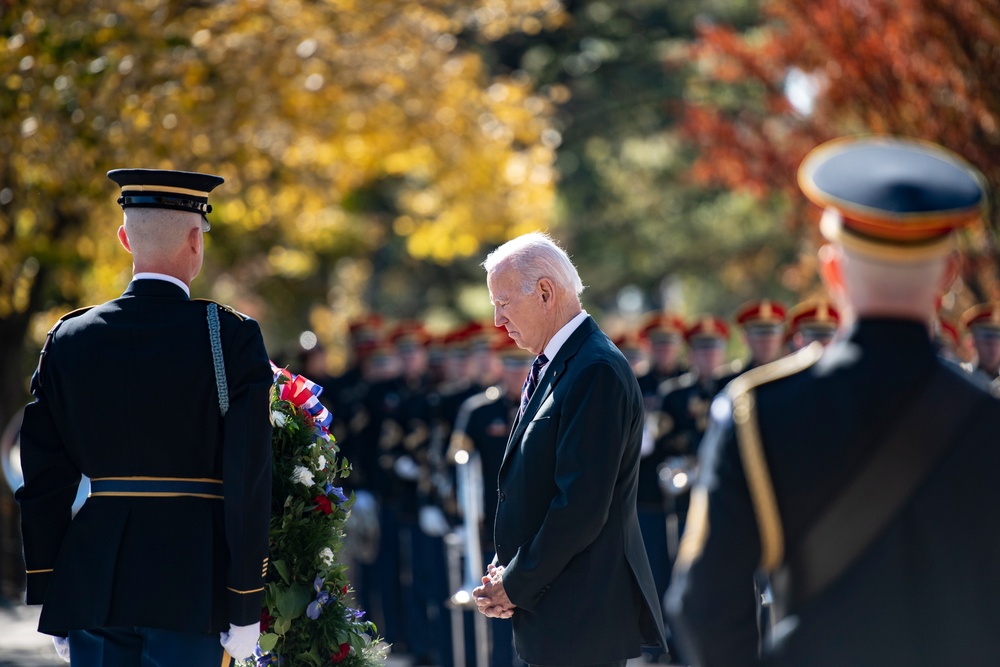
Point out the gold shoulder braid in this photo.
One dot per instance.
(741, 392)
(222, 306)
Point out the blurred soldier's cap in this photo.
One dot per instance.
(365, 333)
(663, 328)
(892, 197)
(815, 319)
(761, 317)
(408, 336)
(707, 331)
(165, 188)
(983, 320)
(630, 344)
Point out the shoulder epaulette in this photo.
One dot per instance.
(48, 339)
(222, 306)
(68, 316)
(781, 368)
(741, 392)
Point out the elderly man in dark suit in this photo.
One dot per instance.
(570, 569)
(863, 477)
(163, 402)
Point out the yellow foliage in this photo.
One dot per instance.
(306, 108)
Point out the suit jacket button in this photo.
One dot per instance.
(502, 497)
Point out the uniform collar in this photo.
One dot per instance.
(155, 287)
(149, 275)
(891, 331)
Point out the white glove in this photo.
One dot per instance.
(241, 640)
(62, 647)
(433, 521)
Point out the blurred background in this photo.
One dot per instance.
(375, 151)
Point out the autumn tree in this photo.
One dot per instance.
(760, 98)
(337, 125)
(644, 234)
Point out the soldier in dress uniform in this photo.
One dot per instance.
(472, 367)
(346, 397)
(664, 333)
(812, 320)
(170, 549)
(683, 415)
(876, 529)
(483, 425)
(633, 347)
(763, 324)
(421, 522)
(677, 429)
(982, 321)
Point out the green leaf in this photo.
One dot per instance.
(282, 625)
(357, 642)
(267, 642)
(282, 568)
(292, 602)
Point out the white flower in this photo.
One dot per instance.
(278, 418)
(302, 475)
(326, 556)
(322, 462)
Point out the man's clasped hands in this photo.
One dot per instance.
(491, 598)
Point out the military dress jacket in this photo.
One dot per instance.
(566, 524)
(128, 390)
(925, 592)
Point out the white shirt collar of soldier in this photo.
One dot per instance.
(149, 275)
(559, 338)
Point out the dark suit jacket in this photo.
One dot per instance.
(927, 591)
(566, 525)
(128, 389)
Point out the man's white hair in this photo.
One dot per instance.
(535, 256)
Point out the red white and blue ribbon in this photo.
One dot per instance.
(304, 393)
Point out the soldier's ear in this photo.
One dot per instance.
(123, 238)
(194, 239)
(831, 270)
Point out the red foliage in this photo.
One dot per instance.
(919, 68)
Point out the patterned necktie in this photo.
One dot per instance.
(531, 382)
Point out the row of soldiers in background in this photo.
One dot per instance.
(410, 403)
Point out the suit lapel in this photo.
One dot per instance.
(553, 374)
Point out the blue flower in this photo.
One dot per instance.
(316, 606)
(337, 492)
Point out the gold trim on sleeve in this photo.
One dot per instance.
(256, 590)
(751, 447)
(765, 506)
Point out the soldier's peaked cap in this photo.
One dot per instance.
(893, 197)
(165, 188)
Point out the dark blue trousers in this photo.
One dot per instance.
(143, 647)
